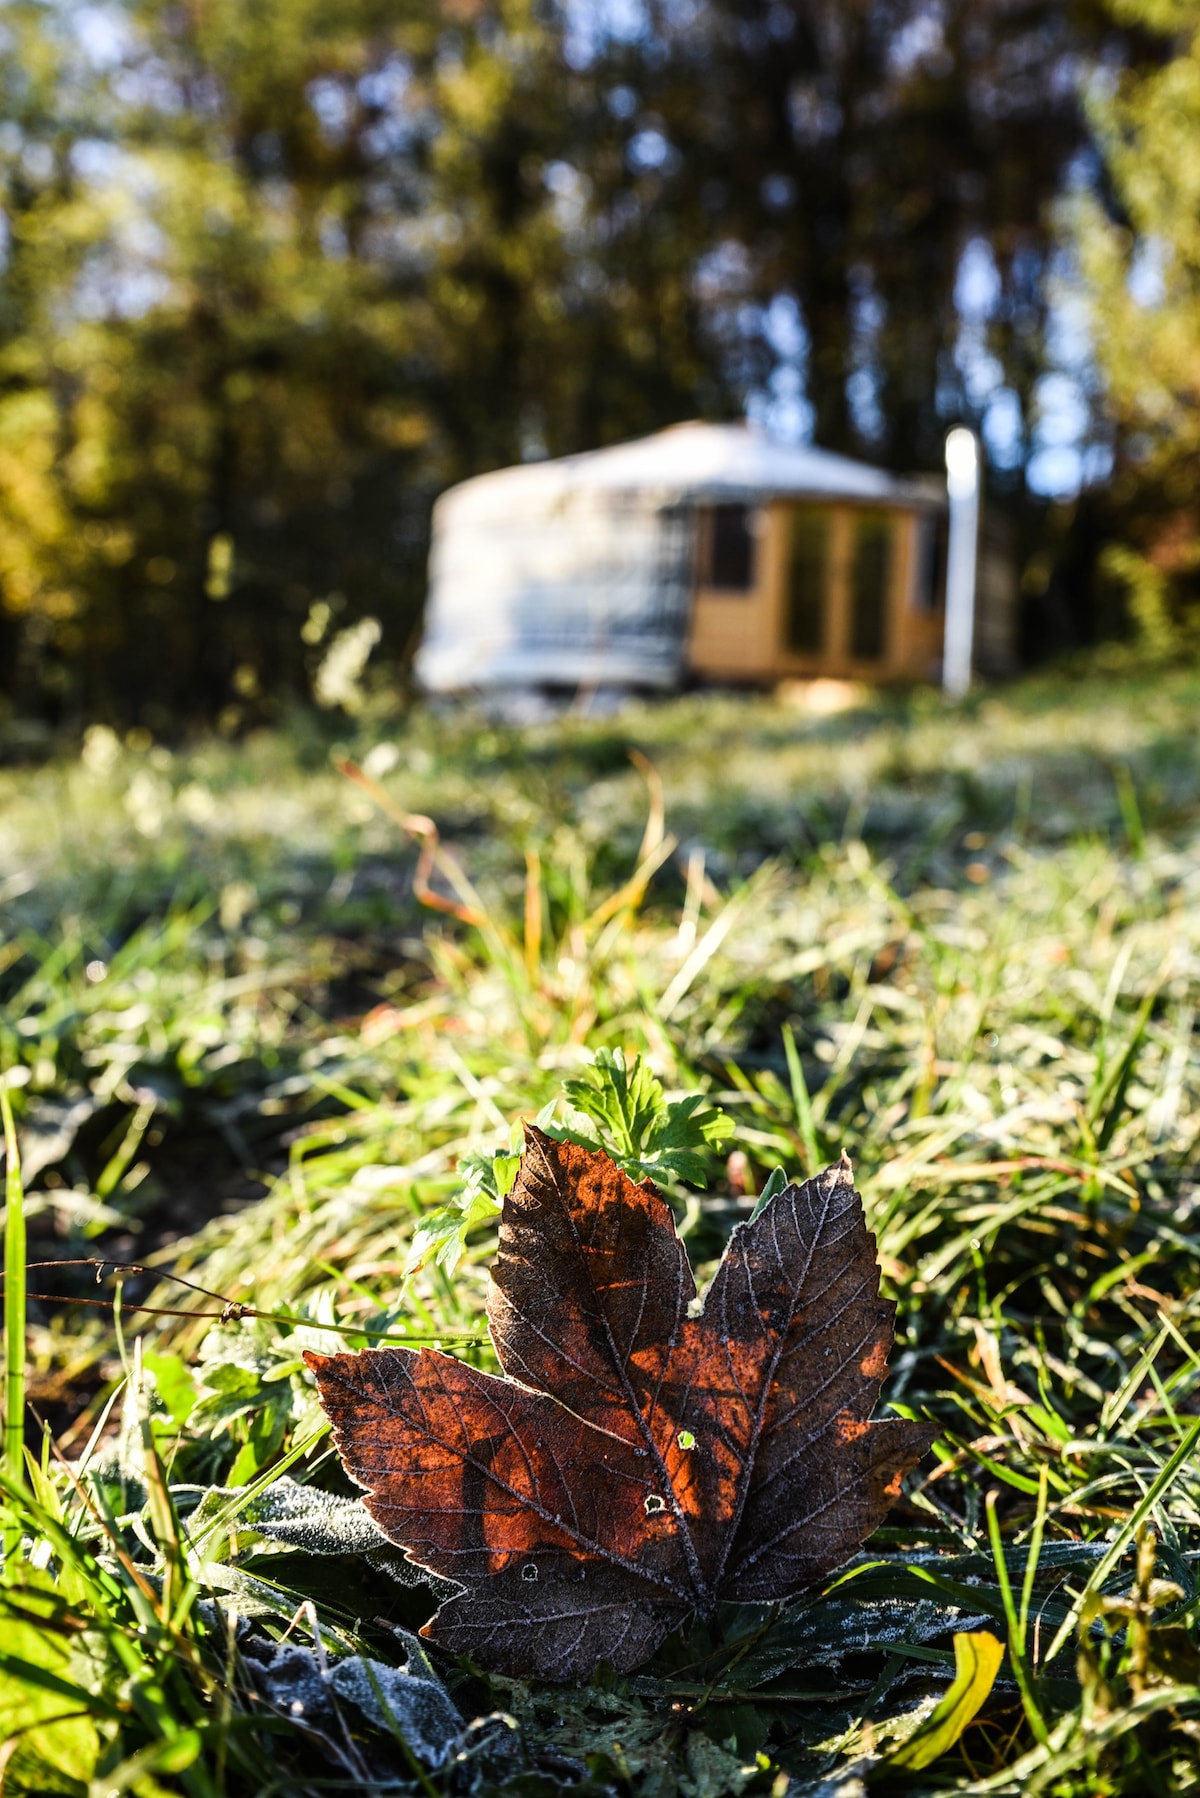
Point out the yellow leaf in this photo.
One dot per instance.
(977, 1658)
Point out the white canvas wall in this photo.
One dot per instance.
(593, 590)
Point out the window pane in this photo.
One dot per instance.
(870, 583)
(730, 549)
(808, 566)
(929, 585)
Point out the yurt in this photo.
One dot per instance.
(707, 552)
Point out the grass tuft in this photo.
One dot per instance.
(14, 1302)
(268, 1040)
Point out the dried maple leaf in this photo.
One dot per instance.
(637, 1462)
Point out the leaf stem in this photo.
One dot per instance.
(232, 1310)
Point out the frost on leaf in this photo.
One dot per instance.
(412, 1699)
(637, 1462)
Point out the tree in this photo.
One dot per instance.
(854, 150)
(1140, 259)
(272, 276)
(241, 348)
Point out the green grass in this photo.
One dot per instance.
(962, 943)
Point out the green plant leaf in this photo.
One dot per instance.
(442, 1235)
(776, 1182)
(49, 1705)
(175, 1384)
(619, 1106)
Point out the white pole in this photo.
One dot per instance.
(962, 486)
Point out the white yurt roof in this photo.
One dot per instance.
(697, 462)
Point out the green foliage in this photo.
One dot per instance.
(49, 1680)
(14, 1293)
(805, 149)
(617, 1106)
(268, 286)
(620, 1107)
(962, 946)
(1140, 263)
(443, 1233)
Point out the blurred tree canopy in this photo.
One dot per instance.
(1140, 259)
(854, 149)
(274, 274)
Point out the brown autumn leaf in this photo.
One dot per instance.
(637, 1462)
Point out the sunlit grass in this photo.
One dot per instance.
(964, 945)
